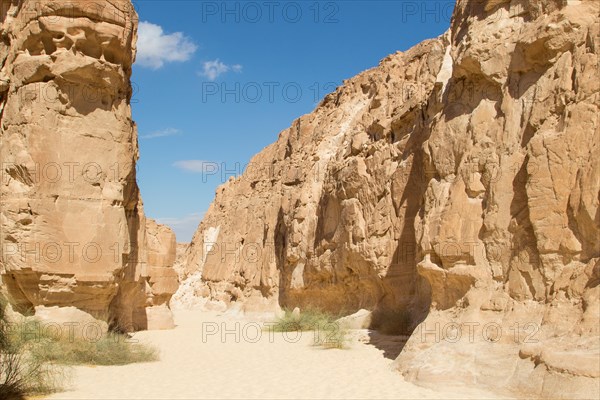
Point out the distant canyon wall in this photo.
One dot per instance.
(74, 238)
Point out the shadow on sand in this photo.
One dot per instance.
(391, 345)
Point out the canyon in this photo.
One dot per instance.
(452, 191)
(457, 182)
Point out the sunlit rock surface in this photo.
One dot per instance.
(72, 228)
(457, 181)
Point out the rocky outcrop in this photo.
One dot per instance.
(72, 229)
(180, 259)
(509, 231)
(162, 279)
(314, 217)
(458, 182)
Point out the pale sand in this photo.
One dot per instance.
(190, 368)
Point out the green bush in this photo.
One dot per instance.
(328, 333)
(308, 320)
(20, 372)
(332, 336)
(32, 359)
(110, 349)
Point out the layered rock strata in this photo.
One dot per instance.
(73, 233)
(457, 182)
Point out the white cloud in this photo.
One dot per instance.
(184, 227)
(155, 48)
(196, 166)
(215, 68)
(163, 133)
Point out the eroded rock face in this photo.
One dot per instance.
(515, 203)
(458, 181)
(162, 277)
(72, 228)
(317, 218)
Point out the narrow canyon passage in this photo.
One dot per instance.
(193, 366)
(441, 184)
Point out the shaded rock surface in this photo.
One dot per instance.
(72, 227)
(457, 181)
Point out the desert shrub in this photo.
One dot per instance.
(328, 332)
(308, 320)
(33, 359)
(61, 348)
(392, 322)
(20, 372)
(332, 336)
(111, 349)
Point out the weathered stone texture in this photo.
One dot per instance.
(72, 227)
(458, 181)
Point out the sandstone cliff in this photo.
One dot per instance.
(457, 181)
(74, 239)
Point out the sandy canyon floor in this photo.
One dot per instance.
(196, 362)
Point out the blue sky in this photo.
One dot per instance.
(215, 82)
